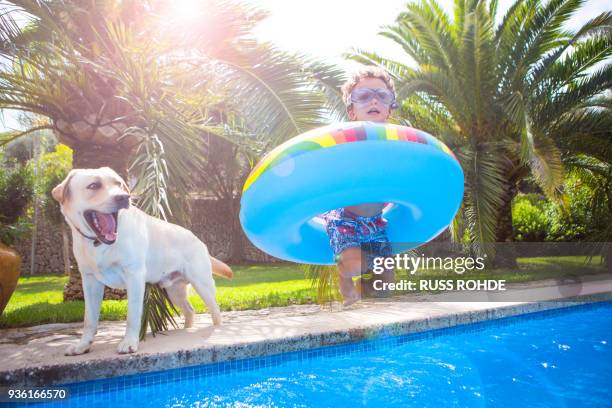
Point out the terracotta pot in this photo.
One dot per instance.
(10, 268)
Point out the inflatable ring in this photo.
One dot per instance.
(346, 164)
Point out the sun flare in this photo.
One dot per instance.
(187, 9)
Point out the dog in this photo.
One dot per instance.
(118, 245)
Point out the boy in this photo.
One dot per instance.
(369, 96)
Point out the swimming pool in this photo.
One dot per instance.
(559, 358)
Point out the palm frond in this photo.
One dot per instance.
(478, 62)
(158, 311)
(424, 24)
(585, 132)
(577, 93)
(435, 83)
(484, 194)
(278, 93)
(324, 279)
(400, 35)
(397, 70)
(585, 54)
(328, 79)
(543, 32)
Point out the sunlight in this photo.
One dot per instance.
(187, 9)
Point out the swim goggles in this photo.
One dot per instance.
(365, 95)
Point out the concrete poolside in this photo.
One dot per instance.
(34, 356)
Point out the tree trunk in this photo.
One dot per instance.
(505, 254)
(36, 203)
(34, 235)
(237, 248)
(65, 248)
(91, 156)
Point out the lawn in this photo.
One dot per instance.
(38, 299)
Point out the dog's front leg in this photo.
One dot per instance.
(93, 291)
(135, 283)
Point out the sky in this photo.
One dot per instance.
(328, 28)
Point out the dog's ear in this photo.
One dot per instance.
(61, 192)
(125, 187)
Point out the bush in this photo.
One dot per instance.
(54, 169)
(536, 219)
(16, 193)
(574, 221)
(529, 218)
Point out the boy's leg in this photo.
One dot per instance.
(378, 245)
(349, 265)
(345, 245)
(375, 284)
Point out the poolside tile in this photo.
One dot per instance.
(247, 335)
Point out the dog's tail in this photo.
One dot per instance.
(221, 269)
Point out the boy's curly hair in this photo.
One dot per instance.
(369, 71)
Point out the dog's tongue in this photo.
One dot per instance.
(107, 226)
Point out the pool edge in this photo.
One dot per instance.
(54, 374)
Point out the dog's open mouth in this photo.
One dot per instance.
(104, 225)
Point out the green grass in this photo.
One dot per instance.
(259, 286)
(38, 299)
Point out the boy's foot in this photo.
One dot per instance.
(348, 291)
(350, 301)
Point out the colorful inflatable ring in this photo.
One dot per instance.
(347, 164)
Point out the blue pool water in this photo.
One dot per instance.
(549, 359)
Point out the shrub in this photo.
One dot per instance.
(16, 192)
(574, 221)
(529, 219)
(54, 169)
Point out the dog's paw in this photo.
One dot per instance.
(76, 349)
(127, 346)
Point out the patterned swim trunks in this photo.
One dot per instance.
(346, 230)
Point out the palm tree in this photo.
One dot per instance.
(228, 163)
(511, 99)
(597, 176)
(125, 85)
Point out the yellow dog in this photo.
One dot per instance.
(118, 245)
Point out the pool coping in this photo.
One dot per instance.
(347, 326)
